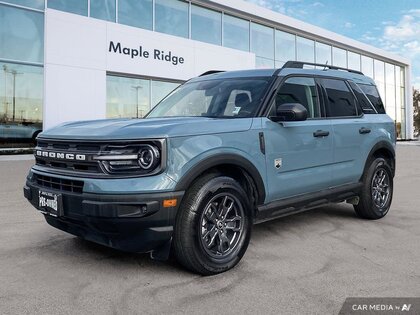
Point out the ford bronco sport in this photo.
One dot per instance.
(220, 153)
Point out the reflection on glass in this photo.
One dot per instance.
(323, 53)
(171, 17)
(21, 34)
(137, 13)
(305, 49)
(390, 101)
(235, 33)
(161, 89)
(21, 89)
(36, 4)
(262, 41)
(353, 61)
(103, 9)
(339, 57)
(367, 66)
(285, 46)
(379, 76)
(73, 6)
(206, 25)
(127, 97)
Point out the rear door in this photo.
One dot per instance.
(298, 154)
(351, 131)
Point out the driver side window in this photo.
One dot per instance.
(300, 90)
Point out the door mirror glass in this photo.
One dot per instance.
(290, 112)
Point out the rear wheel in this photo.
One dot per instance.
(376, 196)
(213, 225)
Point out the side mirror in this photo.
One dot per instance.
(290, 112)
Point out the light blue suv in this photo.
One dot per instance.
(220, 153)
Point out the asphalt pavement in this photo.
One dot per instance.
(304, 264)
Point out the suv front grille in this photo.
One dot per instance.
(74, 186)
(69, 166)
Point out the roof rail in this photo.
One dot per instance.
(301, 64)
(210, 72)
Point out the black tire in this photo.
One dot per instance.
(196, 244)
(376, 196)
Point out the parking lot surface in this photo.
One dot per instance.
(303, 264)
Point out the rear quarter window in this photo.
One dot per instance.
(373, 95)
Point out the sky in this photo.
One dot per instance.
(393, 25)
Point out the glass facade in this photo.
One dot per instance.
(22, 42)
(353, 61)
(137, 13)
(134, 97)
(339, 57)
(35, 4)
(285, 46)
(21, 34)
(206, 25)
(262, 45)
(73, 6)
(235, 33)
(171, 17)
(21, 73)
(323, 54)
(103, 9)
(305, 49)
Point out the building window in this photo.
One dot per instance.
(160, 89)
(21, 34)
(36, 4)
(171, 17)
(264, 63)
(323, 54)
(133, 97)
(353, 61)
(73, 6)
(285, 47)
(390, 103)
(21, 99)
(103, 9)
(367, 66)
(379, 76)
(206, 25)
(137, 13)
(235, 33)
(339, 57)
(305, 49)
(262, 41)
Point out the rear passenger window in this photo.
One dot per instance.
(364, 102)
(299, 90)
(340, 100)
(372, 93)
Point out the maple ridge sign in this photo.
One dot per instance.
(140, 52)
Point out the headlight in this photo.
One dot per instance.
(132, 159)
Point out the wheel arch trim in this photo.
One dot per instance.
(224, 159)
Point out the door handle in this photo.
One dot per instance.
(364, 130)
(321, 133)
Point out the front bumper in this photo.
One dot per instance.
(129, 222)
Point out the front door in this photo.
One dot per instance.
(299, 154)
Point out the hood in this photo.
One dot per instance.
(122, 129)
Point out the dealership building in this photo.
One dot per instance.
(72, 60)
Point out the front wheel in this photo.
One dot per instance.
(213, 226)
(376, 196)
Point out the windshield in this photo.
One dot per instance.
(222, 98)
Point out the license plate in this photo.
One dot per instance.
(49, 202)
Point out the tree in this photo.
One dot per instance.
(416, 105)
